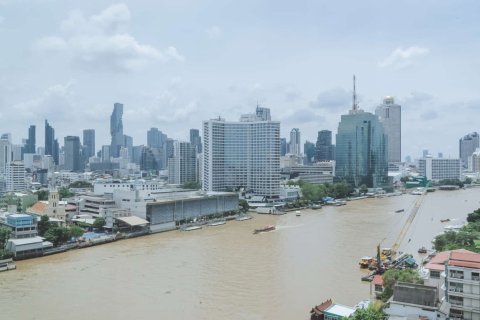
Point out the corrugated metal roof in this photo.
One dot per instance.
(133, 221)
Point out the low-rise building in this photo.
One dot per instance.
(22, 225)
(27, 247)
(319, 172)
(337, 312)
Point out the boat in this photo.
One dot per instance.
(191, 228)
(365, 262)
(316, 206)
(297, 213)
(444, 220)
(422, 250)
(264, 229)
(218, 222)
(243, 217)
(398, 211)
(7, 264)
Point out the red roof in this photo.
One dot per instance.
(322, 307)
(377, 279)
(437, 263)
(465, 259)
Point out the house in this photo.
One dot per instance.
(415, 301)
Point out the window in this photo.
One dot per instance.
(456, 301)
(455, 287)
(434, 274)
(475, 276)
(456, 274)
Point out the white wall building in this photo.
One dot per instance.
(242, 154)
(15, 176)
(390, 115)
(108, 186)
(440, 168)
(295, 142)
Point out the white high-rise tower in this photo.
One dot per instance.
(390, 115)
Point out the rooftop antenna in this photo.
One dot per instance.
(355, 106)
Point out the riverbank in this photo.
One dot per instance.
(225, 272)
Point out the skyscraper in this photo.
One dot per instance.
(128, 144)
(5, 155)
(72, 153)
(467, 146)
(324, 149)
(295, 147)
(182, 167)
(30, 146)
(390, 115)
(51, 144)
(196, 140)
(116, 130)
(242, 154)
(89, 143)
(361, 150)
(283, 147)
(155, 138)
(263, 113)
(309, 150)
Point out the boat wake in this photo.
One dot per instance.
(289, 227)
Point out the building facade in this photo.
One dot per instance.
(361, 150)
(196, 140)
(242, 154)
(89, 143)
(15, 177)
(324, 149)
(182, 167)
(467, 145)
(390, 115)
(72, 153)
(116, 130)
(295, 144)
(440, 168)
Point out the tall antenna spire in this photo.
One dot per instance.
(355, 106)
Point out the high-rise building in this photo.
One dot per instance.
(309, 150)
(283, 147)
(390, 115)
(440, 169)
(467, 145)
(196, 140)
(51, 144)
(263, 113)
(242, 154)
(72, 153)
(295, 144)
(89, 143)
(106, 153)
(128, 144)
(361, 149)
(182, 167)
(116, 130)
(474, 161)
(15, 176)
(30, 146)
(324, 149)
(148, 160)
(155, 138)
(5, 155)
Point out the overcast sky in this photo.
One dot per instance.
(176, 63)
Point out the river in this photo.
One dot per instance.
(226, 272)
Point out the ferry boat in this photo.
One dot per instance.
(191, 228)
(365, 262)
(217, 222)
(400, 210)
(444, 220)
(297, 213)
(243, 217)
(264, 229)
(422, 250)
(7, 264)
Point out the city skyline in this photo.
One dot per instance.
(54, 73)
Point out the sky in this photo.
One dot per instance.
(176, 63)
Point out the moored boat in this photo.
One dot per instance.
(422, 250)
(297, 213)
(444, 220)
(264, 229)
(400, 210)
(365, 262)
(243, 217)
(191, 228)
(218, 222)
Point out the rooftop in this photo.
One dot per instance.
(465, 259)
(340, 310)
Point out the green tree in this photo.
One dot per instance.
(243, 204)
(80, 184)
(57, 235)
(99, 223)
(191, 185)
(75, 231)
(369, 313)
(42, 225)
(474, 216)
(4, 236)
(64, 192)
(363, 189)
(390, 277)
(42, 195)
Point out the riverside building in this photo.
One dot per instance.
(242, 154)
(440, 168)
(361, 149)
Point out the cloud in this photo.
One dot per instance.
(214, 32)
(333, 99)
(102, 42)
(416, 99)
(429, 115)
(401, 58)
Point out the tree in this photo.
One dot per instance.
(390, 277)
(80, 184)
(42, 225)
(468, 180)
(243, 204)
(75, 231)
(4, 236)
(191, 185)
(369, 313)
(42, 195)
(99, 223)
(363, 189)
(57, 235)
(64, 192)
(474, 216)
